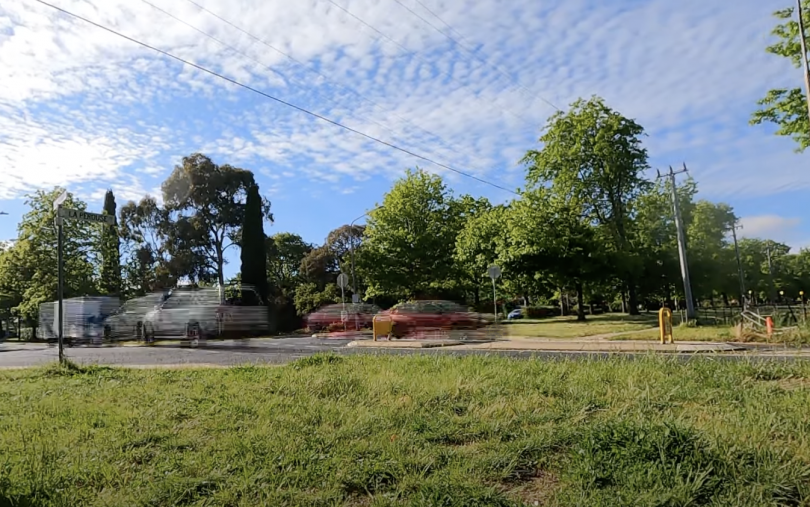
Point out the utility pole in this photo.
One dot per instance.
(687, 286)
(805, 65)
(734, 228)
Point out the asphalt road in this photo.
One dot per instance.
(273, 351)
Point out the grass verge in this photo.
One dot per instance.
(568, 327)
(415, 431)
(685, 334)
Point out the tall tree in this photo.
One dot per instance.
(144, 230)
(712, 266)
(477, 246)
(253, 255)
(29, 269)
(593, 157)
(207, 201)
(410, 239)
(285, 253)
(787, 107)
(552, 237)
(110, 282)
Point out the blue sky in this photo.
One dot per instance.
(82, 108)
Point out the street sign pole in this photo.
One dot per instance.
(60, 286)
(63, 214)
(60, 275)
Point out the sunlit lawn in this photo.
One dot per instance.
(568, 327)
(683, 333)
(410, 431)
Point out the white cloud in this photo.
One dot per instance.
(81, 106)
(785, 230)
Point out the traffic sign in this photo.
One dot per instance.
(86, 216)
(494, 272)
(342, 280)
(355, 298)
(60, 200)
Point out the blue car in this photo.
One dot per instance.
(515, 314)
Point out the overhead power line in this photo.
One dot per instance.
(308, 67)
(242, 53)
(471, 52)
(276, 99)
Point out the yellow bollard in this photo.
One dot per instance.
(381, 326)
(665, 325)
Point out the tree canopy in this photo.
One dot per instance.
(787, 107)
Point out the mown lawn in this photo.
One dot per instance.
(568, 327)
(685, 334)
(415, 431)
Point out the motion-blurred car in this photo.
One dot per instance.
(517, 313)
(200, 313)
(415, 315)
(358, 315)
(127, 321)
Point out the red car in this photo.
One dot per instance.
(359, 314)
(416, 315)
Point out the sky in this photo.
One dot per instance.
(468, 83)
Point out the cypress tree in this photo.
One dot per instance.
(254, 260)
(110, 251)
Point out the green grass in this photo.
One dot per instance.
(686, 334)
(568, 327)
(410, 431)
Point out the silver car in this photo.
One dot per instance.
(127, 321)
(201, 313)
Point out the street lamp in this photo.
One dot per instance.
(351, 246)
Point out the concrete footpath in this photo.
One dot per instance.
(540, 344)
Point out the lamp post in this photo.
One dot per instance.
(351, 246)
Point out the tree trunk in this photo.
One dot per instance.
(562, 303)
(580, 303)
(624, 301)
(632, 298)
(477, 295)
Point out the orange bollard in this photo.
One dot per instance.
(769, 326)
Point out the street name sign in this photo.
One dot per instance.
(86, 216)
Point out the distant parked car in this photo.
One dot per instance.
(515, 314)
(360, 315)
(414, 315)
